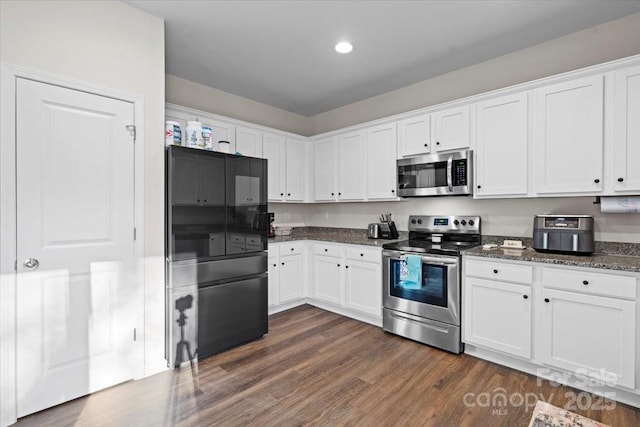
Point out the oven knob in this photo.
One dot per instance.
(463, 222)
(456, 222)
(419, 221)
(471, 222)
(413, 221)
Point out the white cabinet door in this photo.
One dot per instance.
(274, 279)
(248, 142)
(502, 140)
(589, 334)
(352, 166)
(294, 167)
(364, 286)
(291, 277)
(324, 170)
(221, 131)
(414, 136)
(328, 274)
(381, 161)
(273, 149)
(452, 128)
(568, 136)
(626, 143)
(498, 316)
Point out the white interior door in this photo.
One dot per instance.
(75, 216)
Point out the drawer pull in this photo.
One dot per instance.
(585, 282)
(525, 296)
(495, 271)
(326, 250)
(293, 249)
(546, 300)
(346, 266)
(338, 265)
(283, 263)
(361, 254)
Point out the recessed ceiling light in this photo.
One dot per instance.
(344, 47)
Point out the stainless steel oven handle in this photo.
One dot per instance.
(428, 259)
(450, 173)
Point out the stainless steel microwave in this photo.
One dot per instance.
(446, 174)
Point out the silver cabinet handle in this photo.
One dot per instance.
(31, 264)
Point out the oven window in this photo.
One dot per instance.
(431, 289)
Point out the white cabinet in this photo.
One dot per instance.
(568, 137)
(274, 275)
(497, 308)
(324, 170)
(591, 335)
(295, 171)
(502, 137)
(414, 136)
(452, 129)
(286, 273)
(248, 142)
(381, 162)
(273, 149)
(363, 281)
(626, 142)
(351, 161)
(350, 277)
(328, 274)
(286, 160)
(497, 315)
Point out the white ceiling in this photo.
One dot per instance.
(281, 52)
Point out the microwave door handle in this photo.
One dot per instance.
(450, 173)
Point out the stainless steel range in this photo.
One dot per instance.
(421, 279)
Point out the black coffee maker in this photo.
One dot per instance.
(272, 231)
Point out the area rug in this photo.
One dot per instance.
(546, 415)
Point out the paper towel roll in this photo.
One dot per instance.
(629, 204)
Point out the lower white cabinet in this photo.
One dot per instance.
(497, 315)
(578, 321)
(363, 281)
(328, 278)
(286, 273)
(590, 335)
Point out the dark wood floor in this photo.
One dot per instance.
(319, 368)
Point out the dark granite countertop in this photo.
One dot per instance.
(597, 260)
(351, 236)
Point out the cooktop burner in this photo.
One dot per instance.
(446, 235)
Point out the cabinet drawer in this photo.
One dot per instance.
(237, 238)
(364, 254)
(327, 249)
(253, 240)
(610, 285)
(290, 249)
(500, 271)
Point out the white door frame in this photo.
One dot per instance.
(8, 76)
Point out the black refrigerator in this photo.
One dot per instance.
(215, 244)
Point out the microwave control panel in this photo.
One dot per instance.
(460, 172)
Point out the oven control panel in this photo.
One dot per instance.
(445, 223)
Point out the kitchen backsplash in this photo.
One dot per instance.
(501, 217)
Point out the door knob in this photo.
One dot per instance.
(31, 264)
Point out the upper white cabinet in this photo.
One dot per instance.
(352, 175)
(295, 177)
(286, 159)
(414, 136)
(324, 170)
(273, 149)
(381, 162)
(248, 141)
(502, 137)
(452, 128)
(626, 142)
(568, 136)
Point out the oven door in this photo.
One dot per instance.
(435, 296)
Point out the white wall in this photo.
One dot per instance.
(613, 40)
(194, 95)
(503, 217)
(110, 44)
